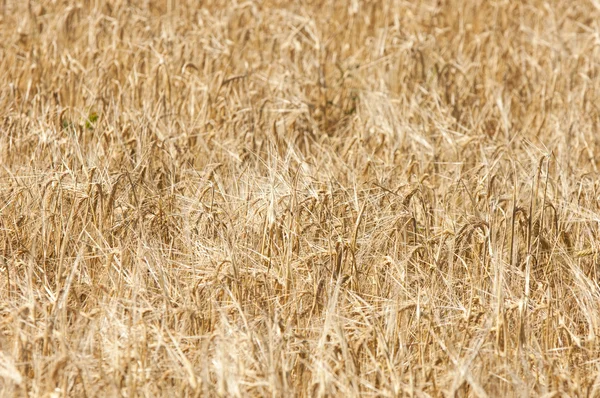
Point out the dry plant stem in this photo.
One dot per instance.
(294, 199)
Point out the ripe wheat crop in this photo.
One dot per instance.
(299, 198)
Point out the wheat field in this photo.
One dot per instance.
(299, 198)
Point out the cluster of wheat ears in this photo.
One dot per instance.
(299, 198)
